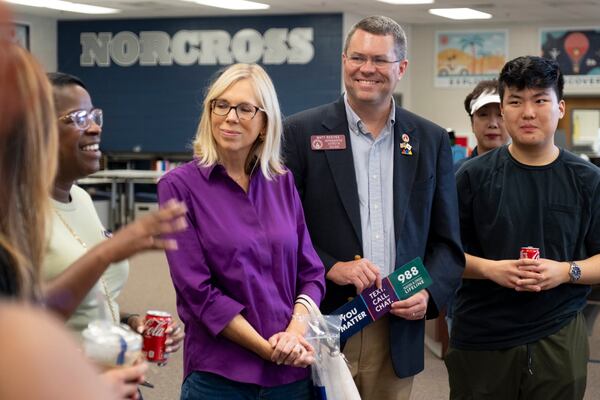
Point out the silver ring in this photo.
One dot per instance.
(414, 314)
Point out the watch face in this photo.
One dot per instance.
(575, 272)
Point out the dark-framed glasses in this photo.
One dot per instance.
(244, 111)
(82, 119)
(358, 60)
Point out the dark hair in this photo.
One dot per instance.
(382, 26)
(489, 85)
(61, 79)
(532, 72)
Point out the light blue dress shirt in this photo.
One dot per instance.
(374, 167)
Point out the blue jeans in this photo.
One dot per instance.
(204, 385)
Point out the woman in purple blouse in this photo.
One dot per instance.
(247, 254)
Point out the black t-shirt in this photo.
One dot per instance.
(505, 205)
(8, 278)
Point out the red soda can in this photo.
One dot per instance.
(530, 252)
(155, 336)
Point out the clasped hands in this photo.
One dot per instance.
(291, 348)
(528, 275)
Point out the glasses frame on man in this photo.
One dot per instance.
(358, 60)
(82, 119)
(242, 115)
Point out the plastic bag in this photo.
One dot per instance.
(330, 373)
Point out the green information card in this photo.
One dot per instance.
(410, 278)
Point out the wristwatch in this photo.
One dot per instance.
(574, 271)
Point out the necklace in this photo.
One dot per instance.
(105, 291)
(240, 179)
(244, 179)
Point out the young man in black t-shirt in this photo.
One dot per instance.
(518, 332)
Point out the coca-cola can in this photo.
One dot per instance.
(530, 252)
(155, 336)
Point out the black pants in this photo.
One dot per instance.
(554, 368)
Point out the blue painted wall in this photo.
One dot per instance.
(156, 108)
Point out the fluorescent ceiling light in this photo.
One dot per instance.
(66, 6)
(232, 4)
(459, 13)
(407, 1)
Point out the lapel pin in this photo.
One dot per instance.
(405, 147)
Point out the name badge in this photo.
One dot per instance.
(328, 142)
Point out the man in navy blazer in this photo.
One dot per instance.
(377, 186)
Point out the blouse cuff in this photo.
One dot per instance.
(220, 313)
(313, 291)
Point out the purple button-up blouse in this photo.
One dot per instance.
(243, 253)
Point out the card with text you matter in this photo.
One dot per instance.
(374, 303)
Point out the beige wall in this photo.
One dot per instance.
(42, 39)
(445, 106)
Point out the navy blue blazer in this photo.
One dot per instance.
(426, 222)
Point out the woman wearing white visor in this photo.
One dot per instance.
(483, 107)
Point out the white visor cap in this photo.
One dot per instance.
(484, 98)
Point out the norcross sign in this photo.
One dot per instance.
(197, 47)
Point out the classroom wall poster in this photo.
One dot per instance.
(464, 58)
(577, 51)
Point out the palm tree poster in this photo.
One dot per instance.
(577, 51)
(464, 58)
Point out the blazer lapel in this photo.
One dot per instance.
(405, 167)
(341, 164)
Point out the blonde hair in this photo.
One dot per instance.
(28, 162)
(267, 151)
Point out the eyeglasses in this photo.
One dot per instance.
(244, 111)
(82, 119)
(379, 62)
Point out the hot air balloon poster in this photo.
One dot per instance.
(464, 58)
(577, 51)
